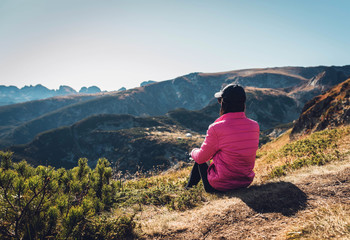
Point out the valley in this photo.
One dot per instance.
(49, 131)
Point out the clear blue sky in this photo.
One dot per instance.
(115, 43)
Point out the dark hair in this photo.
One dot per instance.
(227, 107)
(232, 99)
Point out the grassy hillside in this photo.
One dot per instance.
(307, 201)
(279, 157)
(309, 198)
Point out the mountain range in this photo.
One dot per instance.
(125, 125)
(12, 94)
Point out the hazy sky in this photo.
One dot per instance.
(114, 43)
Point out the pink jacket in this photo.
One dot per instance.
(231, 141)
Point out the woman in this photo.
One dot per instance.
(231, 142)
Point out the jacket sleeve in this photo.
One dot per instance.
(208, 148)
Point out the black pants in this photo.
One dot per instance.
(199, 171)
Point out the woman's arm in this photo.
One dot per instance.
(208, 148)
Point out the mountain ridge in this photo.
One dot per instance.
(193, 91)
(136, 141)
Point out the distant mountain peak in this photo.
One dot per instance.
(144, 83)
(12, 94)
(92, 89)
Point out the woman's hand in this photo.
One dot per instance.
(190, 156)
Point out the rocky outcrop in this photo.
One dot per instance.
(328, 110)
(328, 78)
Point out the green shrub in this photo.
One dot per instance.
(41, 202)
(317, 149)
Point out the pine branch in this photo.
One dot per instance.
(47, 181)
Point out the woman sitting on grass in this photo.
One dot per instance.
(231, 142)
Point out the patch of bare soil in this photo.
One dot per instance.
(267, 211)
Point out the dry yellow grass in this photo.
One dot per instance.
(229, 217)
(264, 164)
(234, 216)
(330, 221)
